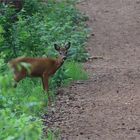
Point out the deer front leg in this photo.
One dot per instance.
(45, 80)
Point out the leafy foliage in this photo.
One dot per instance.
(36, 33)
(20, 109)
(21, 127)
(33, 32)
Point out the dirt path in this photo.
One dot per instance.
(107, 106)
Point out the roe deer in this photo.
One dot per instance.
(39, 67)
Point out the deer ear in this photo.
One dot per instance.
(56, 47)
(68, 45)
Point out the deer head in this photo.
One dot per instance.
(62, 50)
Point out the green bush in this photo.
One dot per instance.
(33, 33)
(1, 36)
(23, 127)
(20, 109)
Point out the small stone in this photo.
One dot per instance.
(123, 123)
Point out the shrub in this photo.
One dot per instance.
(23, 127)
(20, 110)
(36, 33)
(37, 27)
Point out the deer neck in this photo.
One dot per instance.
(59, 62)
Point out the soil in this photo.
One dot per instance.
(107, 106)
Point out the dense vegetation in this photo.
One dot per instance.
(32, 32)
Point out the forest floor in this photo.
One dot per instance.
(107, 106)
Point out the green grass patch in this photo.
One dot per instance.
(75, 71)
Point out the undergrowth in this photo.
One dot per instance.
(33, 33)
